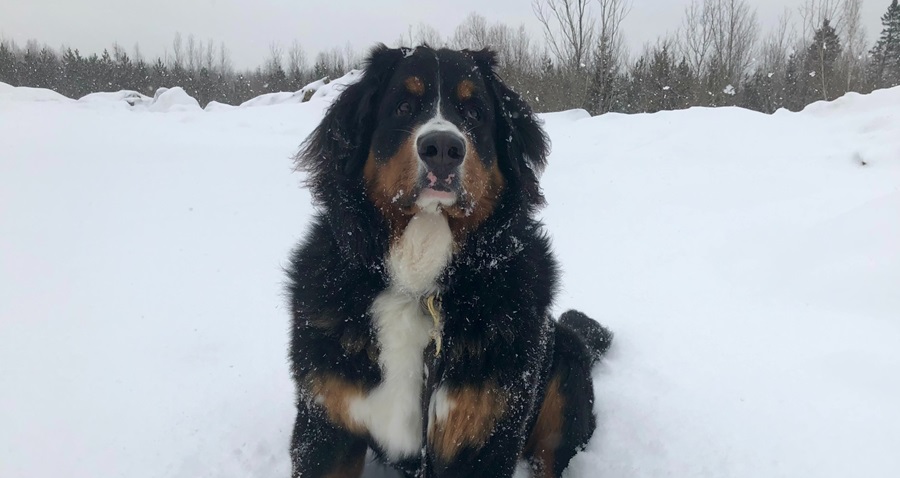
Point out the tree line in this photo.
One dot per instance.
(718, 57)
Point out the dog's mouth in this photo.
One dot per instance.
(438, 190)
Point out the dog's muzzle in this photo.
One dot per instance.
(442, 152)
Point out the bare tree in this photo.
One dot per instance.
(209, 60)
(774, 50)
(297, 63)
(696, 35)
(569, 29)
(335, 62)
(612, 14)
(192, 55)
(854, 39)
(814, 12)
(719, 31)
(118, 52)
(519, 55)
(178, 50)
(472, 33)
(276, 54)
(608, 55)
(224, 60)
(428, 35)
(735, 30)
(350, 58)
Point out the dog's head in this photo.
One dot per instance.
(428, 129)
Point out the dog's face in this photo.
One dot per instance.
(434, 142)
(425, 129)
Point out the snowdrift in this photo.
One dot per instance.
(749, 265)
(118, 98)
(320, 89)
(176, 99)
(24, 93)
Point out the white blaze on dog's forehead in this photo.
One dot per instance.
(438, 122)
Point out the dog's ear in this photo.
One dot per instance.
(522, 145)
(335, 152)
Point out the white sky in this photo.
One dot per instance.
(248, 28)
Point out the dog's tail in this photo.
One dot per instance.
(596, 337)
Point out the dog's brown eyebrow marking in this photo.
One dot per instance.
(414, 85)
(464, 89)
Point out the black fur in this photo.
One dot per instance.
(596, 338)
(496, 291)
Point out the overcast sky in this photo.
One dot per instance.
(249, 27)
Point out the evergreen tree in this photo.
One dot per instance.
(73, 70)
(683, 85)
(276, 79)
(123, 72)
(601, 92)
(105, 73)
(795, 84)
(718, 91)
(821, 64)
(31, 69)
(9, 65)
(884, 70)
(92, 74)
(140, 78)
(661, 81)
(159, 77)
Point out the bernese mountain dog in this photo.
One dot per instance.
(421, 294)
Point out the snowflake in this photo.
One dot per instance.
(729, 90)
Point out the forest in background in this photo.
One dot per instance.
(719, 56)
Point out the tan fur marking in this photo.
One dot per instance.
(334, 394)
(389, 185)
(414, 85)
(471, 420)
(464, 89)
(547, 433)
(482, 188)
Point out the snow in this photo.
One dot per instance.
(216, 106)
(24, 93)
(173, 99)
(334, 88)
(123, 98)
(319, 89)
(749, 265)
(269, 99)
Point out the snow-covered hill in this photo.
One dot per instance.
(749, 265)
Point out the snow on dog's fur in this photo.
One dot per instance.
(420, 295)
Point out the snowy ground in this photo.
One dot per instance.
(749, 265)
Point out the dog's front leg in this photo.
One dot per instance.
(476, 425)
(474, 430)
(319, 448)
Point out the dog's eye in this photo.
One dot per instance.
(404, 108)
(472, 114)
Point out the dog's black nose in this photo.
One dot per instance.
(442, 151)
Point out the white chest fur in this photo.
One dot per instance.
(392, 412)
